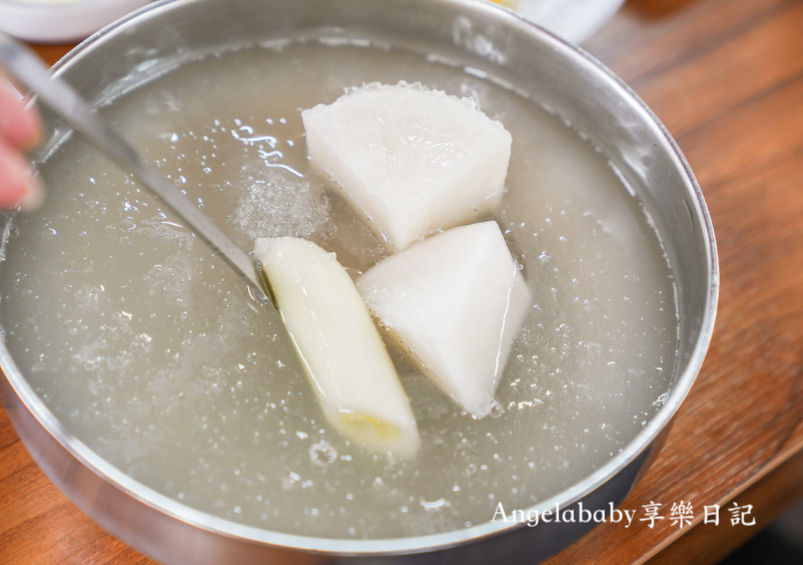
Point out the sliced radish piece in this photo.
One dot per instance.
(339, 345)
(455, 302)
(411, 160)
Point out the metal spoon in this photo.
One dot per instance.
(25, 66)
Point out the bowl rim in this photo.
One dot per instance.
(429, 542)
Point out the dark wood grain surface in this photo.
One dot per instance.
(726, 77)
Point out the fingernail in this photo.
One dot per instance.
(34, 197)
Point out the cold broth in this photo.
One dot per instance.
(150, 350)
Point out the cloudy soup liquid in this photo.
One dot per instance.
(149, 349)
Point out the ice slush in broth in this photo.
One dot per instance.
(150, 351)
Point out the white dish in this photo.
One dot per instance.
(60, 21)
(572, 20)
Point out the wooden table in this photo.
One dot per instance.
(726, 77)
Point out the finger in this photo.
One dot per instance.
(21, 126)
(18, 186)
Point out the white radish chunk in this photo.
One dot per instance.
(411, 160)
(455, 302)
(339, 345)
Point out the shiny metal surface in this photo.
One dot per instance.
(25, 66)
(562, 77)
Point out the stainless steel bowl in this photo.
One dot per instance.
(565, 78)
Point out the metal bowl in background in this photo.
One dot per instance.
(566, 79)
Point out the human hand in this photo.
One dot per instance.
(20, 130)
